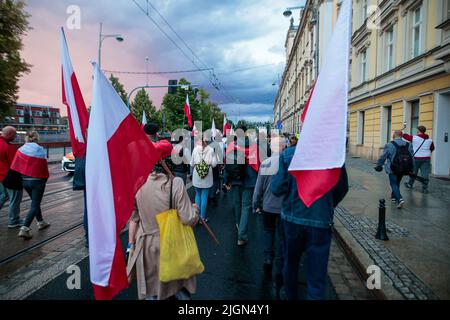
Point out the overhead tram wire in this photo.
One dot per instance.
(156, 72)
(212, 75)
(174, 42)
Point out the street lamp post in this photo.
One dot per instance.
(146, 67)
(102, 37)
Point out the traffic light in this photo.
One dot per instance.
(173, 90)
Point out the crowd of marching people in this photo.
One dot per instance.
(252, 171)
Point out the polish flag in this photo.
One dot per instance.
(144, 120)
(320, 153)
(226, 125)
(213, 130)
(119, 159)
(187, 111)
(30, 160)
(73, 99)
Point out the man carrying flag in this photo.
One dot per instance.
(120, 158)
(78, 122)
(226, 126)
(311, 178)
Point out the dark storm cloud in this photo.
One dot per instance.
(225, 35)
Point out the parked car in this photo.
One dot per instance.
(68, 163)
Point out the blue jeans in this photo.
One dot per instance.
(315, 242)
(242, 201)
(35, 189)
(201, 200)
(15, 197)
(395, 185)
(425, 167)
(273, 241)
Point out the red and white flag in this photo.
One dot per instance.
(320, 153)
(31, 160)
(73, 99)
(226, 126)
(187, 111)
(119, 159)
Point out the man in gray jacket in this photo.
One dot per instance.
(266, 203)
(387, 158)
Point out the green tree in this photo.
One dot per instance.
(141, 104)
(119, 88)
(13, 25)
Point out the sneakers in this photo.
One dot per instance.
(241, 243)
(43, 225)
(400, 203)
(408, 185)
(25, 233)
(394, 200)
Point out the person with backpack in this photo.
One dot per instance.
(423, 147)
(202, 161)
(397, 159)
(240, 177)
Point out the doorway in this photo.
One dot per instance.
(441, 161)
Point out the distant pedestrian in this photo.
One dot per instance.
(144, 239)
(240, 178)
(181, 168)
(397, 159)
(269, 205)
(306, 230)
(7, 153)
(293, 140)
(202, 161)
(151, 129)
(423, 146)
(31, 162)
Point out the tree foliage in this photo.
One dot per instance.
(141, 104)
(13, 25)
(119, 88)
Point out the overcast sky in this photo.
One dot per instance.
(225, 35)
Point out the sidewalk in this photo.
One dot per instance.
(415, 262)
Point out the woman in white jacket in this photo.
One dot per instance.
(202, 161)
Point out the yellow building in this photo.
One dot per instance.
(400, 75)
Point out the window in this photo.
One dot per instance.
(361, 120)
(417, 32)
(389, 49)
(447, 9)
(415, 111)
(363, 66)
(364, 10)
(388, 119)
(21, 120)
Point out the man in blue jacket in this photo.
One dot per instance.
(306, 230)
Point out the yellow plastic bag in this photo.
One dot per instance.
(179, 257)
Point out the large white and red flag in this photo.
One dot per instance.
(73, 99)
(31, 160)
(187, 111)
(320, 153)
(119, 159)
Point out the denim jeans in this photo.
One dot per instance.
(201, 199)
(315, 242)
(273, 241)
(395, 185)
(425, 167)
(35, 189)
(242, 200)
(214, 188)
(15, 197)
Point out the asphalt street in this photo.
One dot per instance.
(231, 272)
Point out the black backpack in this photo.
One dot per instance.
(403, 163)
(235, 171)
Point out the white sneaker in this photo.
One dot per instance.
(25, 233)
(400, 204)
(43, 225)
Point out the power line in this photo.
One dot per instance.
(157, 72)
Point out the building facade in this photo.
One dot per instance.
(305, 45)
(44, 119)
(400, 75)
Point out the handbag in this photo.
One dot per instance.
(179, 258)
(13, 180)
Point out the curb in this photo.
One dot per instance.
(360, 259)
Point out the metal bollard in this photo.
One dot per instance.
(381, 233)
